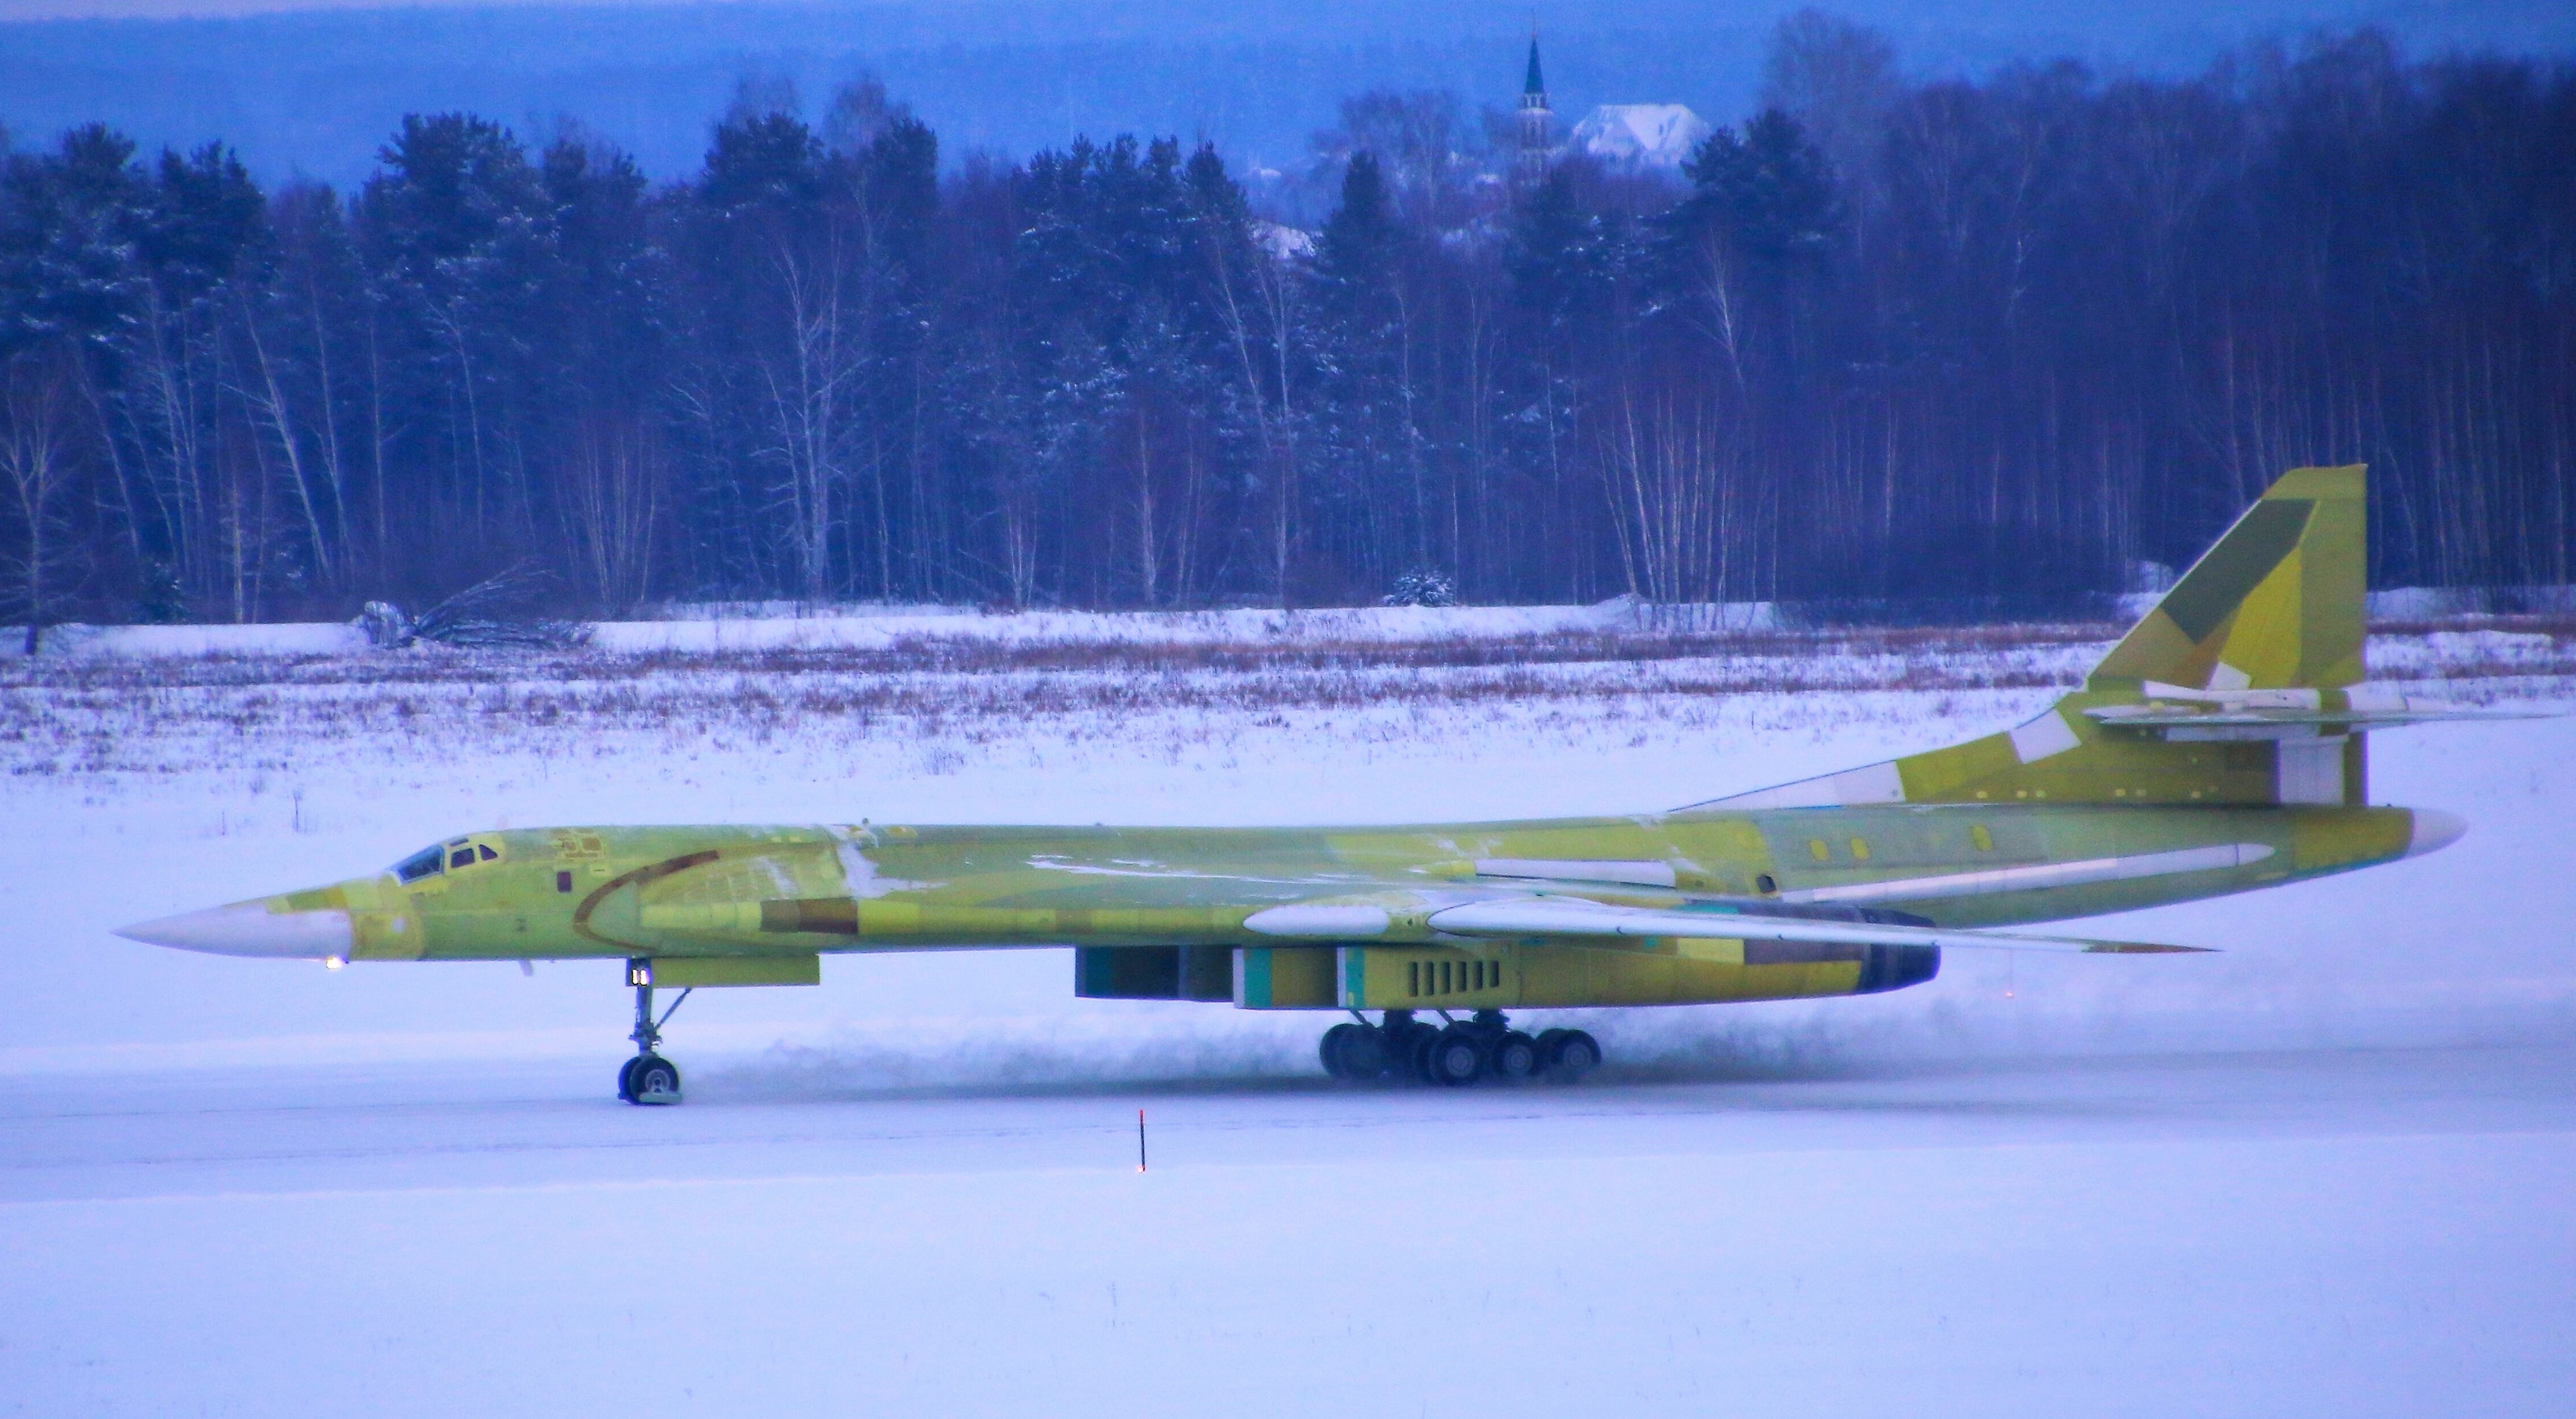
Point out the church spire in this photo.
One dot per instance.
(1537, 135)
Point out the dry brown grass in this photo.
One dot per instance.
(101, 714)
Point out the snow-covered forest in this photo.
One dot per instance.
(1888, 337)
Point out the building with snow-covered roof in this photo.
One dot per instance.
(1640, 135)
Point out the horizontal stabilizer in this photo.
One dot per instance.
(2175, 712)
(1570, 917)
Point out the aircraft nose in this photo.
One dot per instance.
(2434, 831)
(260, 928)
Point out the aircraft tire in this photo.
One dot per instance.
(1364, 1053)
(1335, 1041)
(650, 1074)
(1514, 1057)
(1456, 1057)
(1418, 1053)
(1575, 1055)
(626, 1080)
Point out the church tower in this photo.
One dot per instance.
(1538, 137)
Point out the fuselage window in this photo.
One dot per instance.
(424, 863)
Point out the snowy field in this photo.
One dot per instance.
(2323, 1172)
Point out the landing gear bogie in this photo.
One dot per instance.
(1457, 1054)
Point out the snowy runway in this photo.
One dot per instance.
(2324, 1171)
(2344, 1232)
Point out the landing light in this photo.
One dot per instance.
(333, 963)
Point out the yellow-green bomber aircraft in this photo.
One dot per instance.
(2219, 748)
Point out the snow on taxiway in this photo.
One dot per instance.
(2323, 1172)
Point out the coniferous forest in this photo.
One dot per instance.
(1888, 338)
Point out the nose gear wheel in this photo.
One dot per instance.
(648, 1078)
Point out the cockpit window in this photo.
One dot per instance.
(462, 857)
(486, 849)
(424, 863)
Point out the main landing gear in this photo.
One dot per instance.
(1456, 1053)
(648, 1078)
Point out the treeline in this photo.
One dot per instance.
(1887, 339)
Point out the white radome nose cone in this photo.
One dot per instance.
(249, 929)
(2434, 831)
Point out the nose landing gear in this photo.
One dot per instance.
(648, 1078)
(1456, 1054)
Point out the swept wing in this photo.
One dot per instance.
(1577, 921)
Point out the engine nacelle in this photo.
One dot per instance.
(1512, 977)
(1499, 977)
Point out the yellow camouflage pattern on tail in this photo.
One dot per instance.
(2276, 605)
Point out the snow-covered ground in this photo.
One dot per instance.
(2322, 1172)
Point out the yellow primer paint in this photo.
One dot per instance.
(1702, 972)
(2332, 838)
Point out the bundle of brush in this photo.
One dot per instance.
(493, 613)
(1421, 587)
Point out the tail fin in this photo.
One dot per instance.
(2275, 606)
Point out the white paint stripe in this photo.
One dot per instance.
(1642, 874)
(2040, 875)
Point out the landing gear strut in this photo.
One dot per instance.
(648, 1078)
(1456, 1053)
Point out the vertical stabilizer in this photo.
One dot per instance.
(2273, 611)
(2276, 605)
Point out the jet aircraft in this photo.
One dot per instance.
(2220, 747)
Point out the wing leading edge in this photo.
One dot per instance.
(1593, 921)
(1575, 921)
